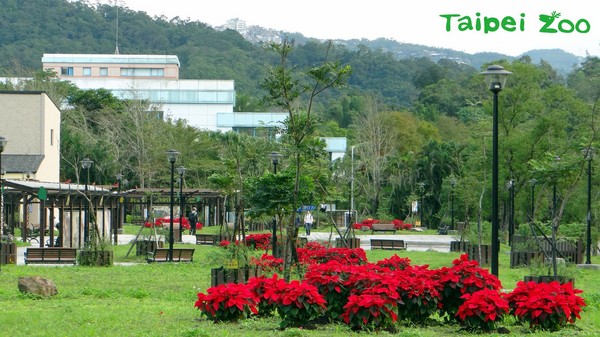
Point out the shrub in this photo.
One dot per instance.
(546, 306)
(267, 263)
(352, 256)
(329, 279)
(370, 311)
(419, 291)
(297, 303)
(227, 302)
(394, 263)
(464, 277)
(259, 241)
(260, 286)
(482, 309)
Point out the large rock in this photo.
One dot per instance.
(37, 285)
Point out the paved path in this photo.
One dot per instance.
(440, 243)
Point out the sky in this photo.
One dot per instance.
(513, 25)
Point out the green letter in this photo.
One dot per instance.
(467, 25)
(508, 24)
(491, 24)
(448, 19)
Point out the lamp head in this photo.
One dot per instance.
(588, 153)
(172, 155)
(275, 157)
(119, 176)
(181, 170)
(86, 163)
(495, 77)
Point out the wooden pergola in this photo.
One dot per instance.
(67, 204)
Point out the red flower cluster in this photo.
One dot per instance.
(267, 263)
(464, 277)
(297, 303)
(367, 223)
(352, 256)
(259, 241)
(549, 306)
(227, 302)
(482, 309)
(400, 225)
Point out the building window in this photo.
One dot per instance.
(87, 71)
(103, 71)
(68, 71)
(51, 137)
(142, 72)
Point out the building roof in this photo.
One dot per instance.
(21, 163)
(110, 58)
(32, 186)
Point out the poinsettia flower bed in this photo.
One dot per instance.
(259, 241)
(482, 309)
(227, 302)
(352, 256)
(267, 263)
(546, 306)
(464, 277)
(340, 285)
(400, 225)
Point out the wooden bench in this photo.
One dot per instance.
(179, 255)
(208, 239)
(51, 255)
(388, 244)
(383, 227)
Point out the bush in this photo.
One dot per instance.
(482, 309)
(546, 306)
(227, 302)
(297, 303)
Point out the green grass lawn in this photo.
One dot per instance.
(143, 299)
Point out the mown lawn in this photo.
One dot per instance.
(158, 300)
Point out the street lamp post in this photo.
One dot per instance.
(2, 145)
(554, 223)
(3, 142)
(589, 155)
(511, 219)
(181, 172)
(86, 163)
(495, 78)
(421, 207)
(172, 157)
(118, 224)
(274, 156)
(452, 183)
(352, 188)
(532, 182)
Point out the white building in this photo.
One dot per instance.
(151, 77)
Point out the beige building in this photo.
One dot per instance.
(30, 122)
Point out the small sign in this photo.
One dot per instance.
(231, 264)
(42, 193)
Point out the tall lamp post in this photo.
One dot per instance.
(532, 182)
(421, 207)
(589, 155)
(495, 78)
(86, 163)
(452, 184)
(3, 142)
(118, 224)
(181, 172)
(172, 157)
(511, 219)
(352, 189)
(274, 156)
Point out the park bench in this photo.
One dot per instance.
(443, 230)
(383, 227)
(51, 255)
(388, 244)
(207, 239)
(179, 255)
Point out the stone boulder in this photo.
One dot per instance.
(37, 285)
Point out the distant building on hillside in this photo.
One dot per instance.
(151, 77)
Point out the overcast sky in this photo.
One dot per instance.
(415, 21)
